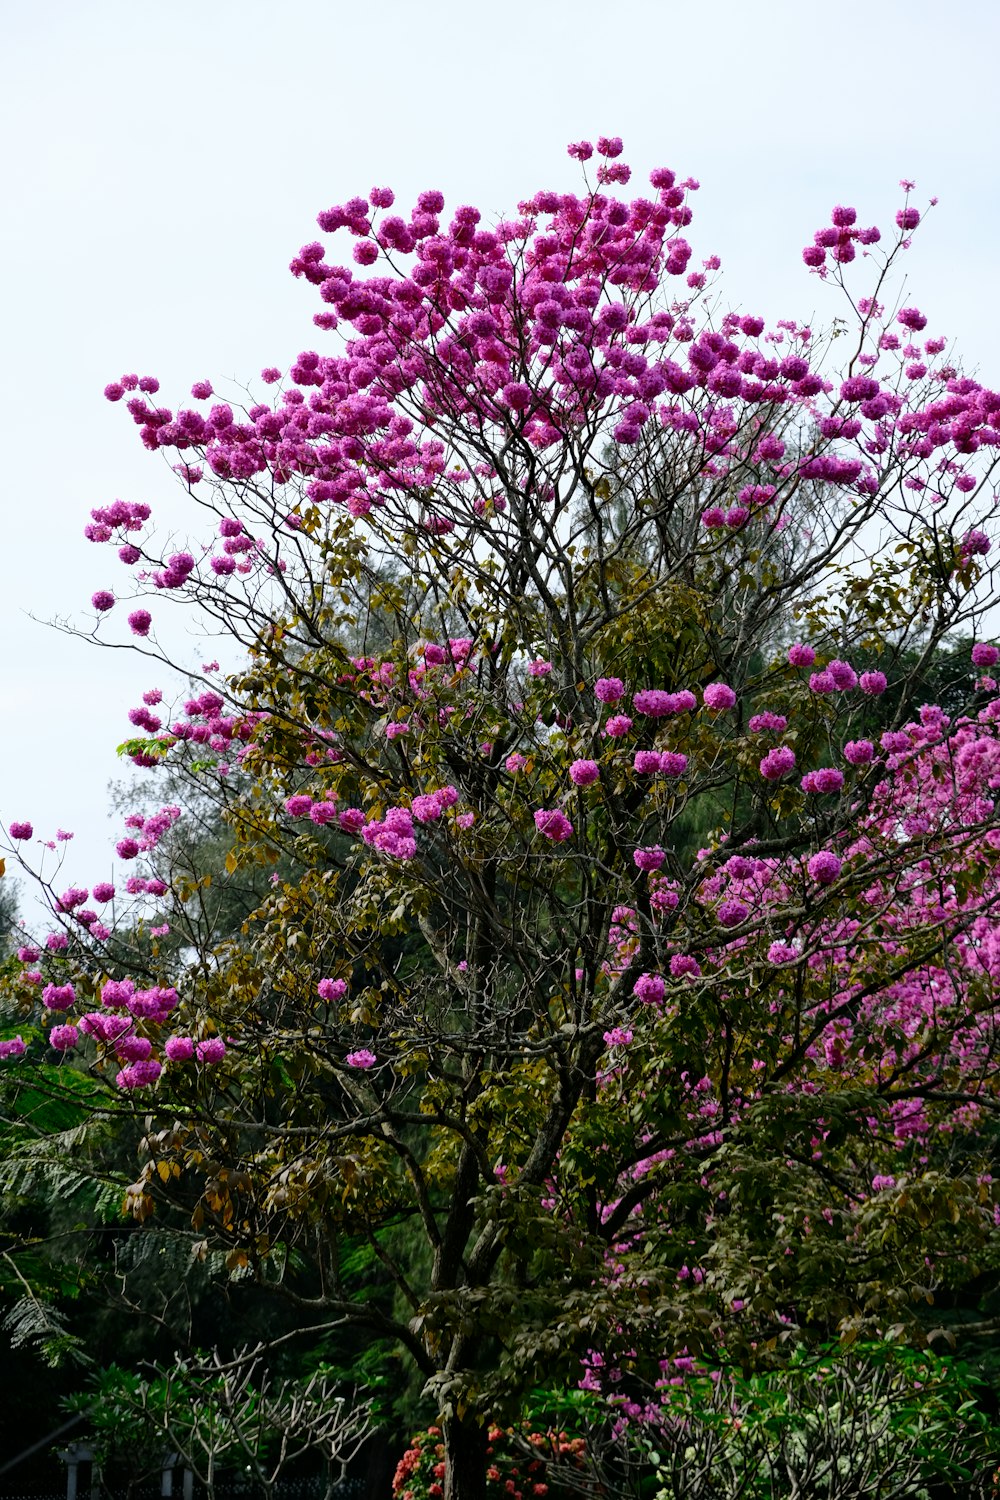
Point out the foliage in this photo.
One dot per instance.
(878, 1422)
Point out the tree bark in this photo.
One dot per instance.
(465, 1458)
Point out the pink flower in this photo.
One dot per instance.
(298, 806)
(103, 600)
(647, 762)
(117, 993)
(649, 988)
(824, 867)
(826, 779)
(584, 772)
(127, 848)
(139, 1074)
(554, 825)
(873, 683)
(539, 668)
(777, 763)
(801, 656)
(63, 1038)
(363, 1058)
(21, 830)
(974, 543)
(682, 966)
(331, 989)
(649, 859)
(983, 655)
(179, 1048)
(618, 726)
(843, 674)
(133, 1048)
(673, 763)
(515, 762)
(767, 720)
(609, 689)
(211, 1050)
(732, 913)
(322, 813)
(140, 620)
(718, 696)
(12, 1047)
(859, 752)
(658, 704)
(58, 996)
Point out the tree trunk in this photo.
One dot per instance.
(465, 1459)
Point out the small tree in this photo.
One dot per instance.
(212, 1414)
(575, 1084)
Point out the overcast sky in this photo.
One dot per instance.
(162, 164)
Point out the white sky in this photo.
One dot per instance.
(162, 164)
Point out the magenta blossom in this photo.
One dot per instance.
(824, 867)
(657, 704)
(647, 762)
(58, 996)
(673, 763)
(363, 1058)
(584, 772)
(777, 763)
(649, 988)
(332, 989)
(211, 1050)
(684, 966)
(718, 696)
(826, 779)
(859, 752)
(554, 825)
(609, 689)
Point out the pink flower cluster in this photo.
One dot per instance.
(658, 705)
(554, 825)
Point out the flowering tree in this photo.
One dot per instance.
(551, 564)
